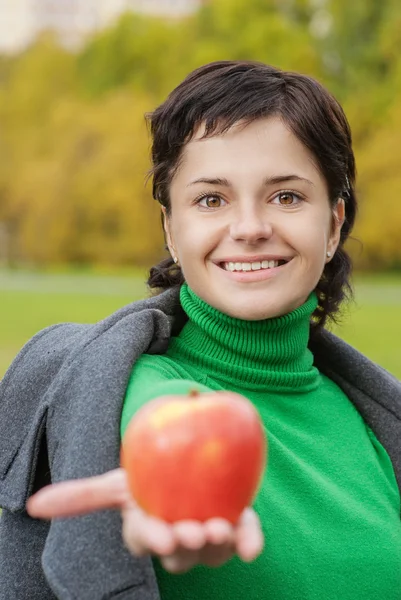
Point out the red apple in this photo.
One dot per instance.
(195, 457)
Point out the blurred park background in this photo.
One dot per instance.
(78, 226)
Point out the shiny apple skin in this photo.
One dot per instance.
(197, 457)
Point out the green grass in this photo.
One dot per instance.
(29, 302)
(373, 323)
(375, 330)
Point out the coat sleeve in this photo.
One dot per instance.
(24, 407)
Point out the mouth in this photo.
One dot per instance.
(255, 265)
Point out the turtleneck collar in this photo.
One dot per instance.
(272, 353)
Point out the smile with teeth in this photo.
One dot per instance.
(252, 266)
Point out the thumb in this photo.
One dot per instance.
(81, 496)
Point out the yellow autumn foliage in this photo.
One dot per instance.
(74, 147)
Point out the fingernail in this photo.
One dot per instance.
(172, 564)
(253, 552)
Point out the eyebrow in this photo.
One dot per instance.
(267, 181)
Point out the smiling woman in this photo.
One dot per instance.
(258, 141)
(255, 174)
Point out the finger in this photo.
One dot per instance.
(144, 534)
(215, 556)
(80, 496)
(220, 548)
(181, 561)
(249, 536)
(190, 534)
(219, 531)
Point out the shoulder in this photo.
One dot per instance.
(344, 363)
(331, 350)
(45, 352)
(61, 352)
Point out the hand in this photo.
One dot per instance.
(180, 545)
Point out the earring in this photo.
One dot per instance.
(175, 259)
(328, 254)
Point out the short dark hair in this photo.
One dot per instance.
(221, 94)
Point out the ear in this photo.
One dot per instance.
(337, 223)
(167, 231)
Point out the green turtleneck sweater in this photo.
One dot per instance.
(329, 503)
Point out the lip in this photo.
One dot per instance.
(252, 276)
(258, 258)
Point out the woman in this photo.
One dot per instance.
(254, 171)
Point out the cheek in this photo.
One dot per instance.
(311, 237)
(194, 239)
(312, 247)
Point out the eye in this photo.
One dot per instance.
(210, 201)
(287, 198)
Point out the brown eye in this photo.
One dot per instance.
(210, 201)
(287, 199)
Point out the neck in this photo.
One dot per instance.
(272, 352)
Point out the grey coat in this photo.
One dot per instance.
(60, 407)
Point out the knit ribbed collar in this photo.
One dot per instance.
(271, 353)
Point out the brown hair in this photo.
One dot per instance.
(223, 93)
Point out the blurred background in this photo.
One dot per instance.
(78, 226)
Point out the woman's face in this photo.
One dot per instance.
(250, 220)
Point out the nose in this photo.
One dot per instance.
(251, 225)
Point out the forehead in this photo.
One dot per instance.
(265, 145)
